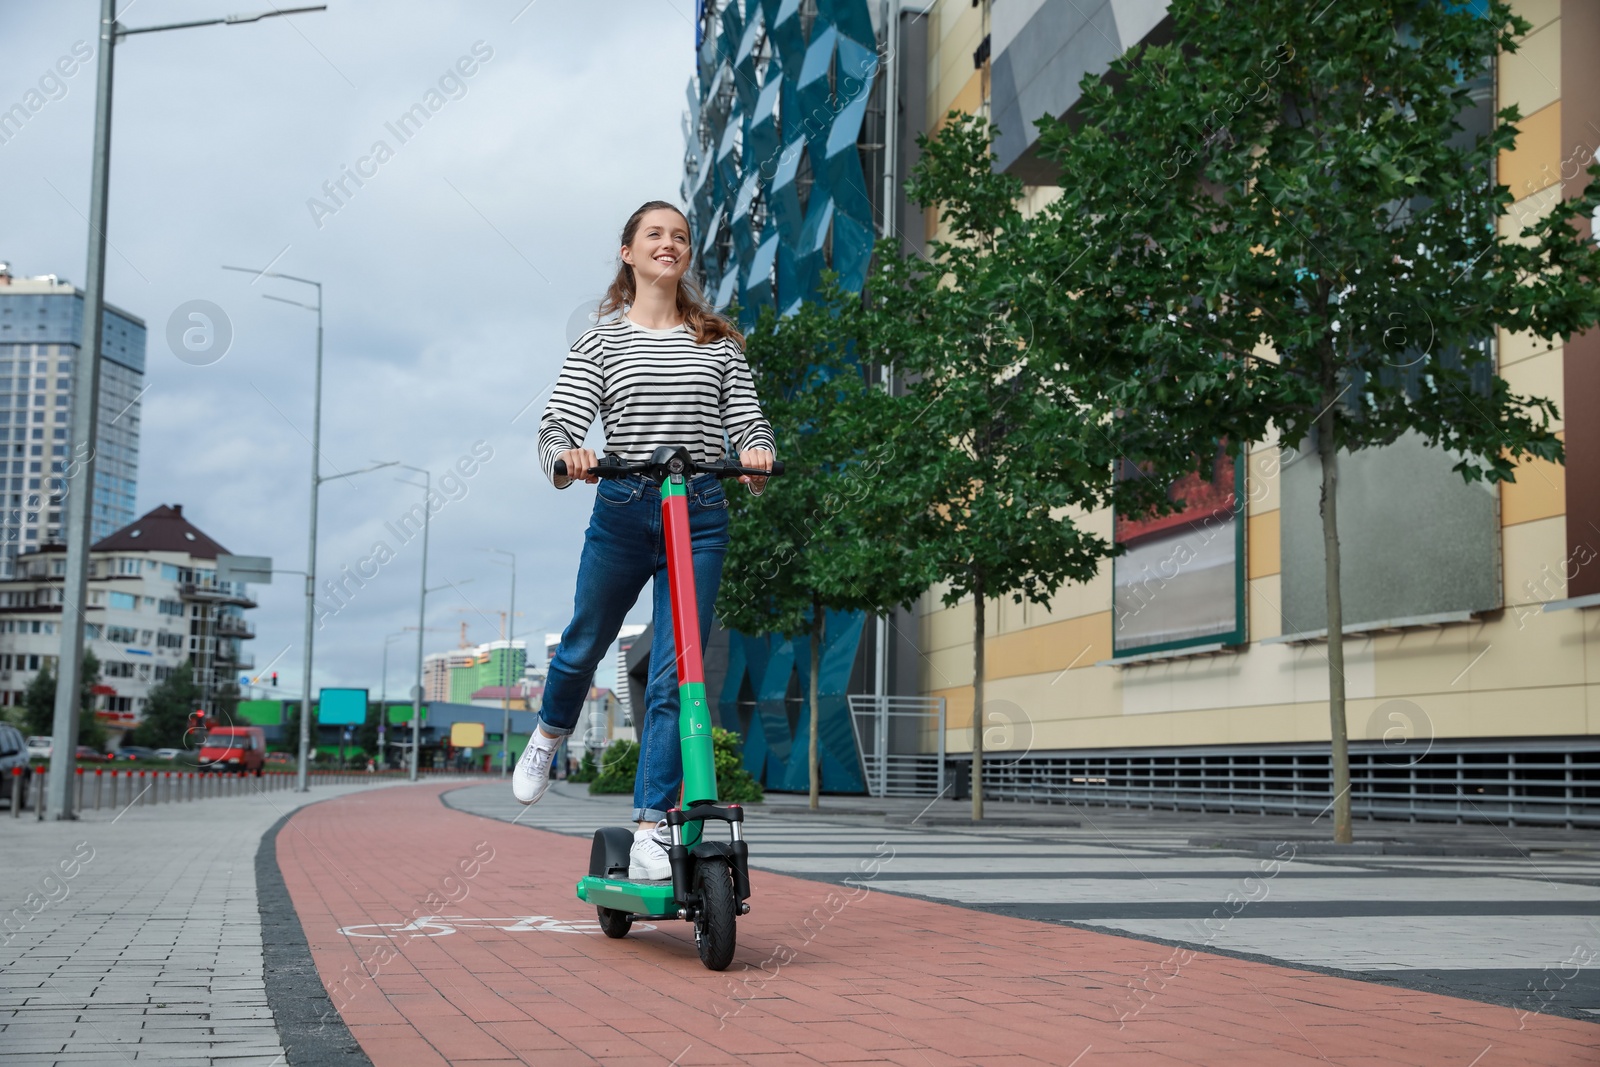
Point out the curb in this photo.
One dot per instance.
(309, 1027)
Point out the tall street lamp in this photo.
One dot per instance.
(511, 657)
(383, 700)
(302, 783)
(86, 405)
(383, 689)
(422, 617)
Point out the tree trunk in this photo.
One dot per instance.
(977, 697)
(819, 623)
(1327, 451)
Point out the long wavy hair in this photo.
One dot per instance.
(698, 314)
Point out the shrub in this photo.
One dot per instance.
(618, 765)
(734, 783)
(587, 771)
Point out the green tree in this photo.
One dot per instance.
(166, 711)
(39, 702)
(1280, 216)
(1004, 437)
(824, 537)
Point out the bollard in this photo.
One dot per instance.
(38, 795)
(99, 785)
(77, 805)
(144, 792)
(16, 792)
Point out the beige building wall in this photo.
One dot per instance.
(1520, 671)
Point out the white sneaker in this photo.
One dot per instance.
(532, 776)
(647, 860)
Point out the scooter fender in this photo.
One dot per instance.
(737, 853)
(608, 855)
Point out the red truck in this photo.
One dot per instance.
(235, 749)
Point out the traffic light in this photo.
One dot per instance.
(274, 679)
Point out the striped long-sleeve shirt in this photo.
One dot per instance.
(652, 388)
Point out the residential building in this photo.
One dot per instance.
(436, 668)
(41, 336)
(154, 603)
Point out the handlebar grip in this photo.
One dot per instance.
(561, 468)
(777, 467)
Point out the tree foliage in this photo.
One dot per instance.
(1280, 215)
(166, 711)
(39, 704)
(825, 537)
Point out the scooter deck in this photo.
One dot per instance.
(648, 899)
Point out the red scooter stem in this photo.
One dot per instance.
(680, 580)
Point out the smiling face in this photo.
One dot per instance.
(659, 252)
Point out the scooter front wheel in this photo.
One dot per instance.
(714, 923)
(615, 923)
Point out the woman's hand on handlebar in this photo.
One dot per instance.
(580, 465)
(759, 458)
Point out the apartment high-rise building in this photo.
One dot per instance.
(41, 335)
(155, 602)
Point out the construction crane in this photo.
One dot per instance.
(474, 611)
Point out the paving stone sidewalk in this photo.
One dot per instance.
(448, 937)
(133, 937)
(1509, 915)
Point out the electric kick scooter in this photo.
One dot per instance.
(710, 883)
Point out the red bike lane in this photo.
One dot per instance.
(443, 937)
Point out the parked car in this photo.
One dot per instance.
(14, 756)
(236, 749)
(40, 747)
(85, 752)
(279, 759)
(168, 753)
(134, 752)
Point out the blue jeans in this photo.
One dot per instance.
(622, 549)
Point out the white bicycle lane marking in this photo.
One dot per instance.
(444, 925)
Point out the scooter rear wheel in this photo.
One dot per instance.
(615, 923)
(714, 925)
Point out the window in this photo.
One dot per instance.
(123, 601)
(116, 669)
(122, 635)
(170, 607)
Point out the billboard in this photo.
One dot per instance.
(342, 707)
(1179, 581)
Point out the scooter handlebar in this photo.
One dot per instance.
(609, 467)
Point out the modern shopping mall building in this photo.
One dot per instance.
(1472, 612)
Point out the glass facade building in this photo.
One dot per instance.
(41, 335)
(783, 171)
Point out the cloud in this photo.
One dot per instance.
(449, 278)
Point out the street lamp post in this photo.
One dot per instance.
(511, 654)
(86, 407)
(302, 779)
(383, 699)
(422, 619)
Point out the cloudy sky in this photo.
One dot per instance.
(452, 274)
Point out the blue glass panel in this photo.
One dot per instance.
(818, 56)
(852, 250)
(851, 17)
